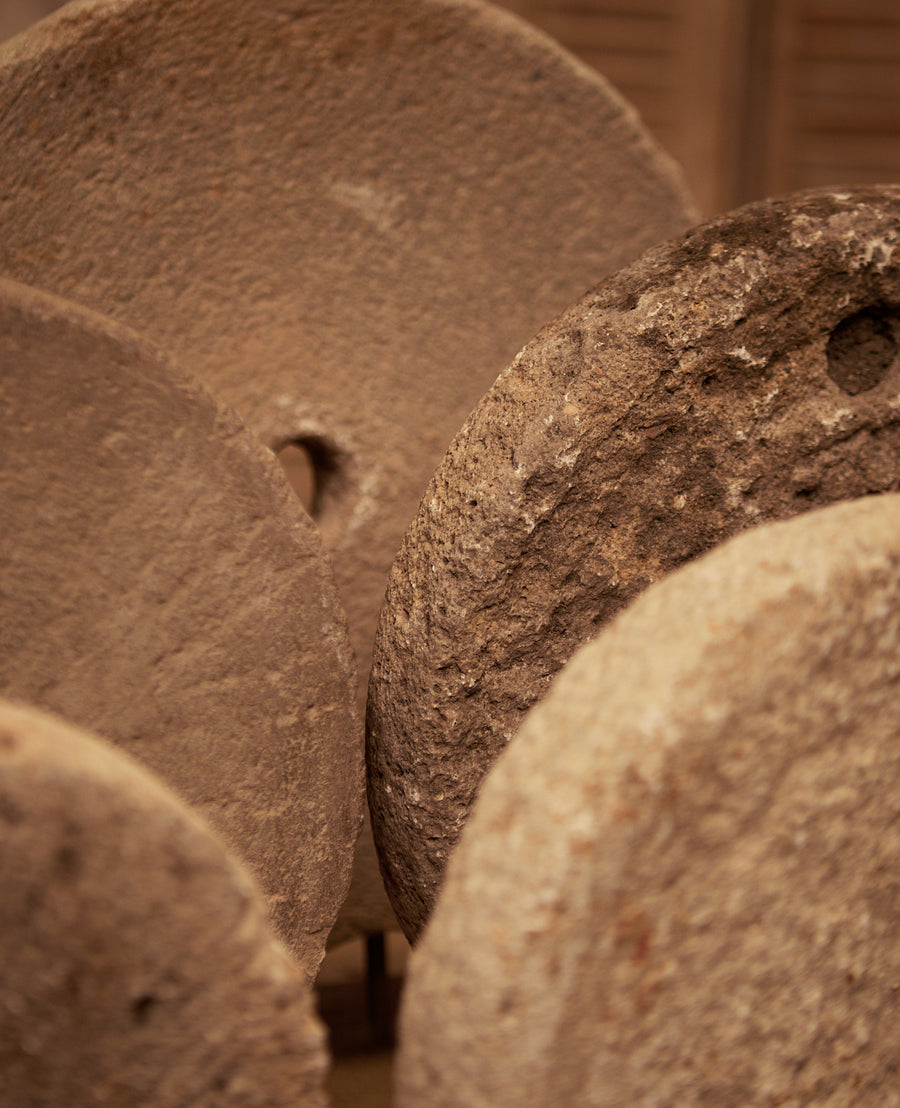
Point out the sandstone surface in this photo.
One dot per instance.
(741, 374)
(346, 218)
(678, 883)
(138, 964)
(160, 585)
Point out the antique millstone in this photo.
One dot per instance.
(160, 585)
(678, 883)
(138, 964)
(346, 218)
(743, 373)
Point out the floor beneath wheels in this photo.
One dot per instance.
(358, 995)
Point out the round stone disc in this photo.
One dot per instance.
(742, 373)
(160, 584)
(678, 884)
(344, 217)
(138, 963)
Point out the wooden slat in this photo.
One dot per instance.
(815, 175)
(578, 30)
(852, 12)
(707, 95)
(875, 78)
(853, 42)
(754, 96)
(639, 70)
(624, 8)
(812, 175)
(843, 115)
(854, 151)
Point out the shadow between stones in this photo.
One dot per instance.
(315, 471)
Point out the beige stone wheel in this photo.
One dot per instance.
(138, 963)
(678, 885)
(160, 585)
(344, 217)
(743, 373)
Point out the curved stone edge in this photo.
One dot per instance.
(792, 621)
(31, 301)
(513, 24)
(273, 499)
(139, 961)
(55, 29)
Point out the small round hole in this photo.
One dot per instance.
(298, 468)
(310, 465)
(142, 1006)
(861, 350)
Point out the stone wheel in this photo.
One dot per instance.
(740, 374)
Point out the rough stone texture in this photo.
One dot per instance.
(346, 217)
(138, 964)
(739, 375)
(678, 885)
(160, 585)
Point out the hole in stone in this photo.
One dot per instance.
(805, 494)
(310, 465)
(298, 469)
(861, 350)
(141, 1007)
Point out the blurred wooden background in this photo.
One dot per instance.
(752, 97)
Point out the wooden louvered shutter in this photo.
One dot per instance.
(753, 97)
(835, 100)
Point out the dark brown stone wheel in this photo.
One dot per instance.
(742, 373)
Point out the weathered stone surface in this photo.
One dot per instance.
(345, 217)
(741, 374)
(160, 585)
(678, 884)
(138, 964)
